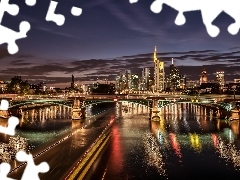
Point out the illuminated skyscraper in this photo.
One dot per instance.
(220, 78)
(145, 78)
(124, 82)
(203, 78)
(128, 79)
(158, 73)
(182, 82)
(174, 77)
(135, 82)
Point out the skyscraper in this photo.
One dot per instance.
(128, 79)
(145, 78)
(182, 82)
(135, 82)
(220, 78)
(203, 78)
(158, 73)
(174, 77)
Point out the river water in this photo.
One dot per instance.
(186, 144)
(40, 125)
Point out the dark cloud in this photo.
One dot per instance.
(190, 63)
(19, 63)
(34, 70)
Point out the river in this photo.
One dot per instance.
(186, 144)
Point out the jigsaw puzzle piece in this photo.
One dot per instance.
(30, 2)
(9, 36)
(12, 9)
(156, 6)
(59, 19)
(31, 169)
(231, 8)
(4, 170)
(133, 1)
(180, 19)
(209, 15)
(12, 123)
(76, 11)
(4, 105)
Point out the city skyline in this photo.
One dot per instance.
(111, 36)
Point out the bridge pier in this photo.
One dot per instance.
(78, 109)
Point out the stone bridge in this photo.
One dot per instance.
(78, 103)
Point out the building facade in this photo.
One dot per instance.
(220, 78)
(135, 83)
(158, 73)
(174, 77)
(145, 78)
(182, 82)
(203, 78)
(127, 82)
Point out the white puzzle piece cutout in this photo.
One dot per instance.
(210, 10)
(30, 2)
(10, 129)
(59, 19)
(31, 171)
(4, 105)
(8, 35)
(4, 170)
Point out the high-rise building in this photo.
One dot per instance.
(182, 82)
(220, 78)
(124, 82)
(167, 83)
(119, 83)
(135, 82)
(145, 78)
(72, 83)
(158, 73)
(203, 78)
(174, 77)
(128, 79)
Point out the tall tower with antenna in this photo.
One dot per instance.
(158, 73)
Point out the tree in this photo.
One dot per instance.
(18, 86)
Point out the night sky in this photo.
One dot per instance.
(114, 35)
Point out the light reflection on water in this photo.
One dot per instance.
(188, 129)
(153, 153)
(53, 117)
(40, 125)
(227, 151)
(180, 146)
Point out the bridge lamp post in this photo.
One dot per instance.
(234, 90)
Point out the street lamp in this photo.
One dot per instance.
(234, 89)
